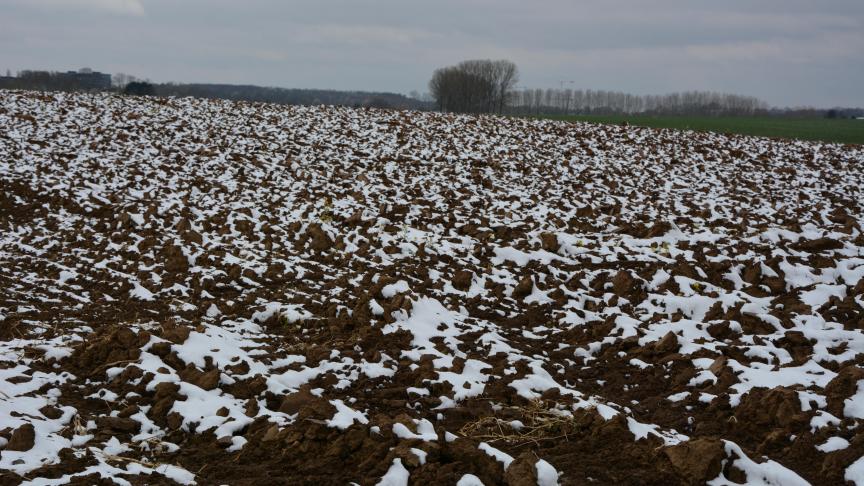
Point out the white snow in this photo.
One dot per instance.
(425, 431)
(500, 456)
(345, 416)
(855, 472)
(854, 406)
(397, 475)
(469, 480)
(547, 475)
(833, 444)
(391, 290)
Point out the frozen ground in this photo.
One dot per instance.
(223, 293)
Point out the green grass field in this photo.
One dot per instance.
(828, 130)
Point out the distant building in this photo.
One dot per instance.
(82, 80)
(86, 78)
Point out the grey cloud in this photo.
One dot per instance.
(122, 7)
(790, 52)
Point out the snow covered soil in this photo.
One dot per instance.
(206, 292)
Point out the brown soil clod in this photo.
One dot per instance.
(524, 287)
(118, 424)
(549, 242)
(462, 280)
(697, 460)
(23, 438)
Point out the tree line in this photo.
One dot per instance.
(86, 80)
(475, 86)
(486, 86)
(577, 101)
(290, 96)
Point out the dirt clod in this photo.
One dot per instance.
(23, 438)
(697, 460)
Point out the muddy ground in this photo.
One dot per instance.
(210, 292)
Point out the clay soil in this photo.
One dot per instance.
(255, 294)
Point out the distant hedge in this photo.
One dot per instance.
(139, 88)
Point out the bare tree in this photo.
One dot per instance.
(506, 77)
(120, 80)
(458, 90)
(474, 86)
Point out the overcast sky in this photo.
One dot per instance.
(787, 52)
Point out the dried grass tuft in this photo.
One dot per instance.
(539, 423)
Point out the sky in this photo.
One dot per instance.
(786, 52)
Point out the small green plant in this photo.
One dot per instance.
(290, 326)
(326, 216)
(661, 249)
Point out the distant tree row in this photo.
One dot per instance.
(290, 96)
(139, 88)
(87, 80)
(476, 86)
(486, 86)
(570, 101)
